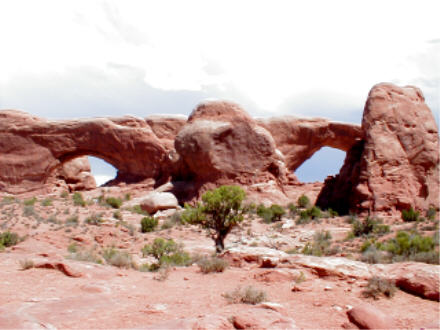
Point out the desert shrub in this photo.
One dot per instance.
(378, 287)
(331, 213)
(64, 194)
(277, 212)
(174, 219)
(137, 209)
(30, 202)
(248, 295)
(431, 213)
(78, 199)
(7, 200)
(410, 215)
(303, 201)
(8, 239)
(148, 224)
(369, 226)
(94, 219)
(320, 245)
(212, 265)
(85, 255)
(167, 252)
(293, 210)
(127, 196)
(372, 255)
(305, 216)
(220, 211)
(72, 248)
(117, 258)
(114, 202)
(46, 202)
(29, 211)
(72, 221)
(26, 264)
(270, 214)
(117, 215)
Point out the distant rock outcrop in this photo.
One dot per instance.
(396, 166)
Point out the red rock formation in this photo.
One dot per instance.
(221, 141)
(33, 148)
(298, 139)
(76, 174)
(397, 165)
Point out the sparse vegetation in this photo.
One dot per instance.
(117, 215)
(46, 202)
(148, 224)
(72, 221)
(138, 210)
(378, 287)
(431, 213)
(94, 219)
(369, 226)
(167, 252)
(30, 202)
(220, 211)
(248, 295)
(320, 245)
(305, 216)
(86, 255)
(410, 215)
(303, 201)
(8, 239)
(29, 211)
(212, 265)
(114, 202)
(117, 258)
(270, 214)
(64, 194)
(78, 199)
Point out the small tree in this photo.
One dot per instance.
(220, 211)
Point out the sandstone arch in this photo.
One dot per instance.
(298, 139)
(32, 148)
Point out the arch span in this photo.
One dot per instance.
(33, 148)
(298, 139)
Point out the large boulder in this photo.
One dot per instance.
(77, 174)
(157, 201)
(366, 316)
(221, 141)
(397, 164)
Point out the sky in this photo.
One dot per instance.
(69, 59)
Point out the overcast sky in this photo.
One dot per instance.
(64, 59)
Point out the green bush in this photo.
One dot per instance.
(30, 202)
(220, 211)
(64, 194)
(270, 214)
(303, 201)
(94, 219)
(377, 287)
(8, 239)
(137, 209)
(313, 213)
(406, 245)
(212, 265)
(431, 213)
(320, 245)
(46, 202)
(369, 226)
(167, 252)
(148, 224)
(410, 215)
(114, 202)
(293, 210)
(117, 215)
(117, 258)
(78, 199)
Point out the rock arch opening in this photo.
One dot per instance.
(101, 170)
(326, 161)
